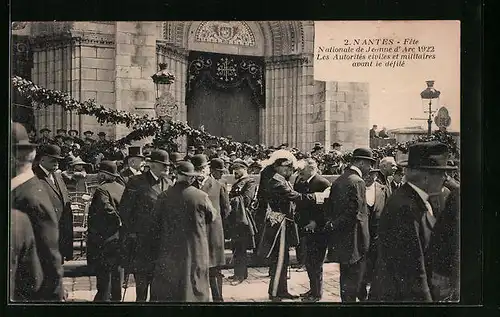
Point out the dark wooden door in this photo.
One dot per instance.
(225, 112)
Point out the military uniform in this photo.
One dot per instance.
(241, 224)
(280, 231)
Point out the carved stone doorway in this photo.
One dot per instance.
(224, 94)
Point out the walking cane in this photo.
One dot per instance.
(131, 252)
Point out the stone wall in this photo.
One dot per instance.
(135, 64)
(95, 72)
(77, 58)
(348, 107)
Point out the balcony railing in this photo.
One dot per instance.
(375, 143)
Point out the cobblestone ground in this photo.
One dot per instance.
(254, 289)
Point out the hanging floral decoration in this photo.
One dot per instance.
(144, 126)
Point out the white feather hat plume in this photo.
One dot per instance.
(280, 154)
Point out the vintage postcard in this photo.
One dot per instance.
(235, 161)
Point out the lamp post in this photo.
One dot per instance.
(430, 93)
(165, 105)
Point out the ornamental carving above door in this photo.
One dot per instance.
(225, 32)
(227, 71)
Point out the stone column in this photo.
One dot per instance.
(135, 64)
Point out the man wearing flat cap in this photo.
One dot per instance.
(241, 224)
(403, 269)
(279, 197)
(347, 224)
(47, 171)
(29, 197)
(137, 212)
(218, 195)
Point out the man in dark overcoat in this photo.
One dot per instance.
(103, 240)
(135, 161)
(46, 171)
(241, 224)
(29, 196)
(376, 198)
(403, 268)
(311, 220)
(280, 231)
(26, 273)
(181, 250)
(347, 223)
(220, 200)
(137, 212)
(444, 247)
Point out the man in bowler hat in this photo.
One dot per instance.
(347, 224)
(220, 200)
(34, 209)
(175, 159)
(180, 241)
(403, 269)
(29, 195)
(47, 172)
(103, 241)
(137, 212)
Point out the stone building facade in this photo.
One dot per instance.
(112, 62)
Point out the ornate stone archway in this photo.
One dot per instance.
(287, 47)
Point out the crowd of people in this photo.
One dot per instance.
(92, 151)
(164, 217)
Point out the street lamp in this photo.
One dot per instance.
(430, 93)
(165, 105)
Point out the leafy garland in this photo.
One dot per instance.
(166, 133)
